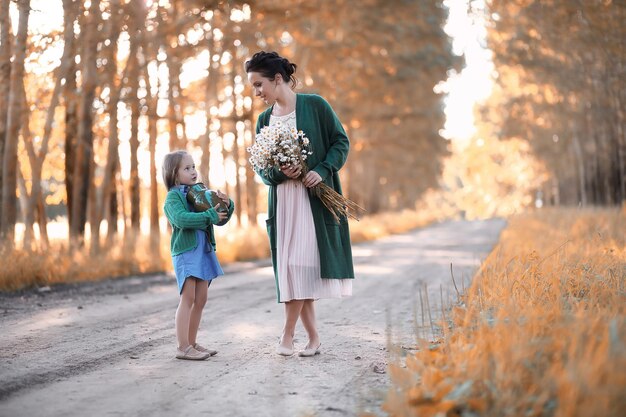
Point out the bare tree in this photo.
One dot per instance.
(564, 98)
(70, 8)
(84, 152)
(178, 140)
(133, 102)
(106, 192)
(14, 120)
(5, 79)
(150, 47)
(34, 203)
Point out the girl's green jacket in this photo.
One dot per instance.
(185, 223)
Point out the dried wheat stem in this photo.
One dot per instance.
(453, 282)
(338, 205)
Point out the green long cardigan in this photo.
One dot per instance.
(330, 145)
(184, 222)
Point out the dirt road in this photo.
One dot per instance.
(107, 349)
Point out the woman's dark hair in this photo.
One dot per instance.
(268, 64)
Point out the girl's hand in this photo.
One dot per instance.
(311, 179)
(223, 197)
(222, 215)
(291, 171)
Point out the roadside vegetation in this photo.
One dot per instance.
(541, 331)
(135, 256)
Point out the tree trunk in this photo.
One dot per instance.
(133, 84)
(71, 132)
(220, 133)
(5, 79)
(621, 148)
(237, 161)
(210, 100)
(42, 221)
(239, 133)
(70, 8)
(110, 181)
(84, 152)
(174, 94)
(102, 206)
(251, 185)
(27, 212)
(150, 48)
(113, 209)
(580, 164)
(155, 231)
(14, 119)
(27, 201)
(175, 112)
(34, 207)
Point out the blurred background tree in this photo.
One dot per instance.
(561, 85)
(121, 82)
(90, 103)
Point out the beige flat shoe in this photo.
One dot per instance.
(199, 348)
(307, 352)
(189, 353)
(284, 351)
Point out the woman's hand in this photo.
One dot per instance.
(311, 179)
(291, 171)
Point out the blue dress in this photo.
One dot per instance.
(199, 262)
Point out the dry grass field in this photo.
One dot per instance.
(57, 264)
(540, 332)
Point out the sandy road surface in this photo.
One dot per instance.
(107, 349)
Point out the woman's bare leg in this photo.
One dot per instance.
(183, 312)
(292, 312)
(201, 294)
(307, 315)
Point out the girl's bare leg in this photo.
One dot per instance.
(292, 312)
(202, 288)
(307, 315)
(183, 312)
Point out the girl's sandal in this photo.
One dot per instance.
(191, 354)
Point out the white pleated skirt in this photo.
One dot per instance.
(297, 255)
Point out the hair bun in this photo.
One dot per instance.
(290, 67)
(269, 64)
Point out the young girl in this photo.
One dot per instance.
(193, 250)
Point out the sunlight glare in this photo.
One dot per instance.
(45, 16)
(473, 83)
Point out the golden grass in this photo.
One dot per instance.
(384, 224)
(244, 244)
(541, 331)
(57, 264)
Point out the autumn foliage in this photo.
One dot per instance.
(559, 87)
(89, 107)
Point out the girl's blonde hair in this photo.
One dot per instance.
(171, 162)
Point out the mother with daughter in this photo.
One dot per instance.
(311, 251)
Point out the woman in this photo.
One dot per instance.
(311, 252)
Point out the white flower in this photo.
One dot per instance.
(278, 144)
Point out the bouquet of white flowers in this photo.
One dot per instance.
(279, 145)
